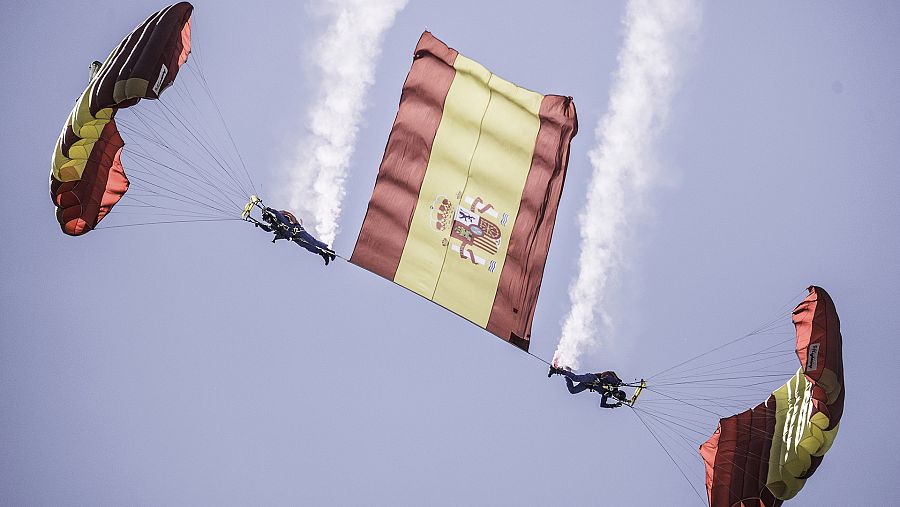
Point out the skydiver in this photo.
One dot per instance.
(606, 383)
(286, 226)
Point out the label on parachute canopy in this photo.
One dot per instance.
(812, 357)
(159, 81)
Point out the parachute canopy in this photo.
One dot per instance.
(764, 455)
(466, 196)
(86, 178)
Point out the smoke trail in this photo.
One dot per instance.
(344, 58)
(623, 160)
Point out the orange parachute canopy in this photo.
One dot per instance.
(764, 455)
(86, 178)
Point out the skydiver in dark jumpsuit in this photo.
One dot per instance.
(606, 383)
(286, 226)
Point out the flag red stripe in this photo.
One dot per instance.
(386, 226)
(523, 268)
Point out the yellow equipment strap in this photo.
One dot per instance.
(254, 200)
(637, 392)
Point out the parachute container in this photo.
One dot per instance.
(467, 192)
(86, 177)
(764, 455)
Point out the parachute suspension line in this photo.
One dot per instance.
(227, 202)
(702, 390)
(142, 202)
(676, 429)
(732, 342)
(718, 366)
(677, 439)
(220, 163)
(190, 216)
(674, 420)
(685, 382)
(197, 182)
(686, 450)
(156, 118)
(185, 197)
(202, 198)
(202, 78)
(700, 408)
(685, 402)
(175, 175)
(761, 371)
(694, 489)
(202, 185)
(215, 153)
(194, 68)
(681, 446)
(178, 212)
(146, 204)
(784, 311)
(167, 222)
(206, 139)
(733, 375)
(201, 134)
(147, 193)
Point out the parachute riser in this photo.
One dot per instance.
(254, 201)
(637, 392)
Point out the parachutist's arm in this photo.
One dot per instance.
(604, 404)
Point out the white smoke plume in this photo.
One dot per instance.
(344, 60)
(650, 60)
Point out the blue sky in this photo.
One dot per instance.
(200, 364)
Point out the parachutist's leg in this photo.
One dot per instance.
(575, 389)
(308, 242)
(587, 377)
(312, 242)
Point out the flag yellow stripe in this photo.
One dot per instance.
(483, 149)
(446, 174)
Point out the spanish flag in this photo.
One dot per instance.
(466, 196)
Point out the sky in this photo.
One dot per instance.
(198, 363)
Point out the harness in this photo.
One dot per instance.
(607, 383)
(600, 387)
